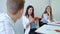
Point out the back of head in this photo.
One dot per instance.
(14, 5)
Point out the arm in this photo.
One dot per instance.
(26, 22)
(45, 16)
(49, 16)
(31, 20)
(27, 25)
(37, 23)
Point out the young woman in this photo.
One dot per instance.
(47, 16)
(31, 22)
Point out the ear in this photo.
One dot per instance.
(21, 12)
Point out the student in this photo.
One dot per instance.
(10, 22)
(31, 24)
(47, 16)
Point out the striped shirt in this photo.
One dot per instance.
(7, 26)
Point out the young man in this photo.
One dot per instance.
(11, 23)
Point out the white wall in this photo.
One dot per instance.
(39, 6)
(2, 6)
(56, 9)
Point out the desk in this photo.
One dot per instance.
(56, 23)
(48, 29)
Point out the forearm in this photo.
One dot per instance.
(49, 17)
(37, 23)
(27, 25)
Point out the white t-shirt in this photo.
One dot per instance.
(7, 26)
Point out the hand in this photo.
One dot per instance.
(36, 18)
(52, 20)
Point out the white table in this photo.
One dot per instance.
(48, 29)
(54, 23)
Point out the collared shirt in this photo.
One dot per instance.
(7, 25)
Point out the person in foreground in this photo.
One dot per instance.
(10, 22)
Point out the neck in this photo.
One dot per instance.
(13, 17)
(29, 15)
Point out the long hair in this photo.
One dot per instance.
(45, 12)
(32, 14)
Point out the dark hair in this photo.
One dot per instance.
(26, 14)
(45, 12)
(15, 5)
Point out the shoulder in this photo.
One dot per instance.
(45, 15)
(24, 17)
(2, 17)
(1, 20)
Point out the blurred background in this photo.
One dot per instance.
(39, 7)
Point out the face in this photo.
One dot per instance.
(29, 11)
(48, 10)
